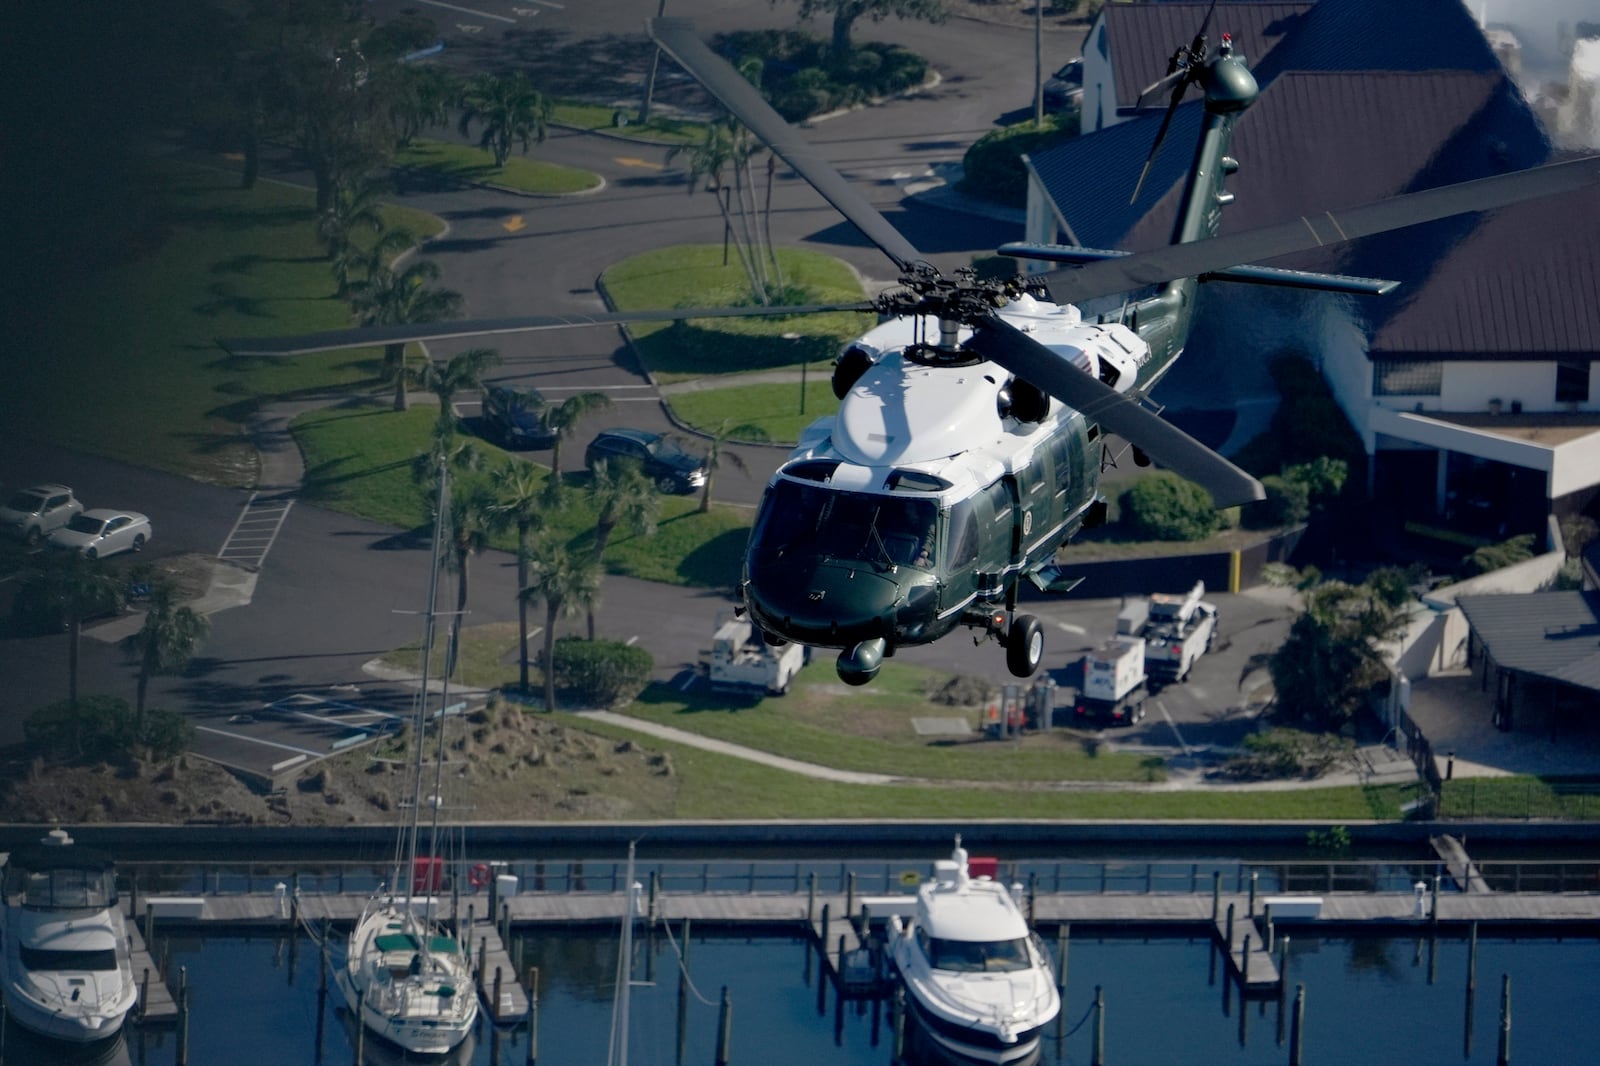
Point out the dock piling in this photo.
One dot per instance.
(1216, 895)
(1098, 1056)
(724, 1029)
(1251, 912)
(533, 1015)
(1063, 942)
(683, 992)
(183, 1016)
(1503, 1056)
(361, 1026)
(1297, 1025)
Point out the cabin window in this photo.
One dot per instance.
(978, 956)
(860, 526)
(1000, 501)
(1572, 382)
(1407, 377)
(963, 535)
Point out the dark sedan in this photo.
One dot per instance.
(661, 459)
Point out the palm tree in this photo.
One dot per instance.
(718, 454)
(387, 298)
(164, 644)
(353, 263)
(464, 371)
(510, 109)
(519, 501)
(729, 146)
(422, 98)
(65, 591)
(562, 418)
(356, 205)
(471, 519)
(566, 582)
(621, 496)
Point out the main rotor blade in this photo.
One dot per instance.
(677, 38)
(373, 336)
(1317, 231)
(1002, 343)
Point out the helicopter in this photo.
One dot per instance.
(974, 420)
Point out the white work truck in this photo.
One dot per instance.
(742, 661)
(1178, 629)
(1113, 688)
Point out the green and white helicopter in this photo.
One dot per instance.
(971, 431)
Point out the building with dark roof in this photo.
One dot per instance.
(1539, 656)
(1470, 385)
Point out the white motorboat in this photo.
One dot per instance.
(977, 981)
(404, 976)
(67, 969)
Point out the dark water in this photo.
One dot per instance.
(1368, 1000)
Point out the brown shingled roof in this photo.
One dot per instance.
(1536, 264)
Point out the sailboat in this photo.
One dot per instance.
(404, 976)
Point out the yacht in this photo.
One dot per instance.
(66, 969)
(977, 981)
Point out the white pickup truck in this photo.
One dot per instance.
(742, 661)
(1178, 629)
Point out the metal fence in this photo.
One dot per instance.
(866, 877)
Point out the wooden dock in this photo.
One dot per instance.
(1248, 954)
(1462, 869)
(156, 1005)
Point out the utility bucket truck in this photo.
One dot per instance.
(742, 661)
(1179, 629)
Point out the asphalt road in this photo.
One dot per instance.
(334, 592)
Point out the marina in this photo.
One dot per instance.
(816, 923)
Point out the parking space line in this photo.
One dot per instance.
(255, 531)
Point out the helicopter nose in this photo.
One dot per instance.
(835, 602)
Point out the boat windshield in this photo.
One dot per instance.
(978, 956)
(844, 525)
(42, 959)
(63, 888)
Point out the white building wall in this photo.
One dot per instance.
(1099, 89)
(1470, 386)
(1577, 466)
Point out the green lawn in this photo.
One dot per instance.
(521, 172)
(359, 460)
(773, 408)
(695, 276)
(659, 130)
(137, 340)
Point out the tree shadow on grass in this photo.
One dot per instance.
(716, 564)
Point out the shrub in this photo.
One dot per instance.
(601, 672)
(1281, 753)
(1163, 506)
(1288, 503)
(1495, 556)
(99, 727)
(800, 77)
(992, 168)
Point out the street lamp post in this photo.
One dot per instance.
(796, 337)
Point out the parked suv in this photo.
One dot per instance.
(31, 514)
(514, 418)
(1063, 90)
(669, 466)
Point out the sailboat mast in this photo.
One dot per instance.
(409, 862)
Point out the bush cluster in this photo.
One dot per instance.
(601, 673)
(1164, 506)
(103, 729)
(992, 168)
(1280, 753)
(801, 78)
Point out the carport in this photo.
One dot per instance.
(1538, 653)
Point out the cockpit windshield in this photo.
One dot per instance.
(860, 526)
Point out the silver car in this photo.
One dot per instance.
(101, 532)
(31, 514)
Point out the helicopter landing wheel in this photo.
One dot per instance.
(1024, 645)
